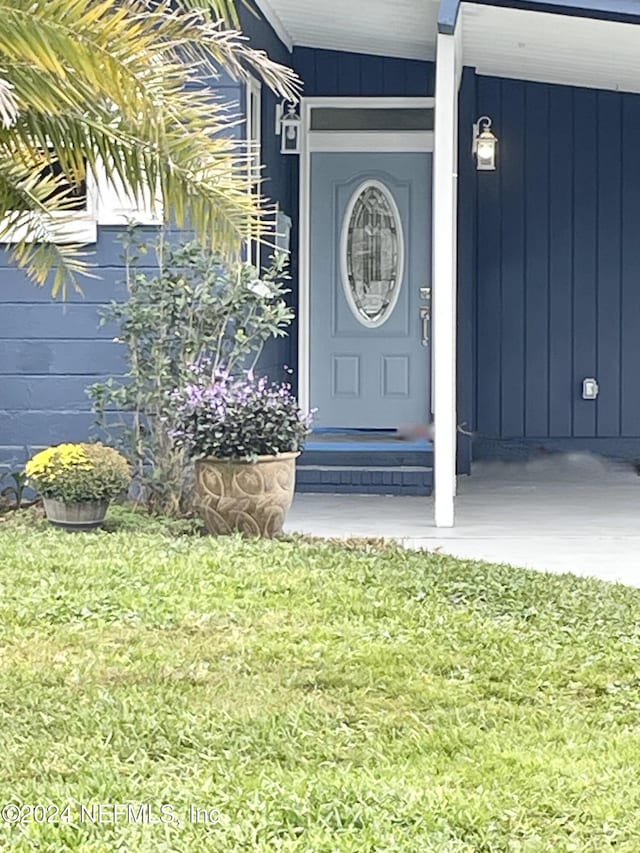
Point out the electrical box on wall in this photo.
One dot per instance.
(590, 389)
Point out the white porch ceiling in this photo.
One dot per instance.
(404, 28)
(550, 48)
(498, 41)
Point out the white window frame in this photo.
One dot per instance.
(106, 204)
(79, 226)
(115, 206)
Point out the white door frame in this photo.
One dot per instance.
(340, 141)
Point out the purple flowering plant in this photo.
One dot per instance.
(236, 417)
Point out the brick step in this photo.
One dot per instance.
(365, 479)
(354, 457)
(365, 449)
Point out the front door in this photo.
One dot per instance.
(369, 305)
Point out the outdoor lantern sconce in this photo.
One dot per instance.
(288, 126)
(485, 144)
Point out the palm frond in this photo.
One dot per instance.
(217, 10)
(8, 104)
(92, 84)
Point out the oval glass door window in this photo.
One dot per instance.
(372, 249)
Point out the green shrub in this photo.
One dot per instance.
(193, 308)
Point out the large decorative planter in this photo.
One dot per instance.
(250, 497)
(86, 515)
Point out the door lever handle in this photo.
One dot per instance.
(425, 316)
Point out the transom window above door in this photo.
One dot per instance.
(372, 118)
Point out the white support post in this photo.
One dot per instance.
(448, 69)
(304, 266)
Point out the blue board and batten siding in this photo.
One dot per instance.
(331, 73)
(549, 265)
(549, 260)
(554, 260)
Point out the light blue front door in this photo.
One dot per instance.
(370, 265)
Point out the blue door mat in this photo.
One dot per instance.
(363, 440)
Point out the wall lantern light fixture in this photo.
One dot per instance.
(288, 125)
(485, 144)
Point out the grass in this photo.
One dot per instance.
(322, 697)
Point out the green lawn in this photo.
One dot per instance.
(321, 697)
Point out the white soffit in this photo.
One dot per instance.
(551, 48)
(403, 28)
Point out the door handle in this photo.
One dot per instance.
(425, 316)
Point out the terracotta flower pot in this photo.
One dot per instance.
(85, 515)
(250, 497)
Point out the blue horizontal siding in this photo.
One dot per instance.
(33, 322)
(50, 351)
(54, 357)
(26, 393)
(42, 427)
(107, 253)
(16, 290)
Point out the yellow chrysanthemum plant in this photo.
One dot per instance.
(79, 473)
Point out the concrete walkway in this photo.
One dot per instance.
(561, 513)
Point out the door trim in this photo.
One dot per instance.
(345, 142)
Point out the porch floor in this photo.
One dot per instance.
(560, 513)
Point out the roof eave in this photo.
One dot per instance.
(625, 11)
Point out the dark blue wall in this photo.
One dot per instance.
(277, 168)
(279, 173)
(323, 73)
(466, 330)
(330, 73)
(556, 255)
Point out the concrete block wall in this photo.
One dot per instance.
(51, 351)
